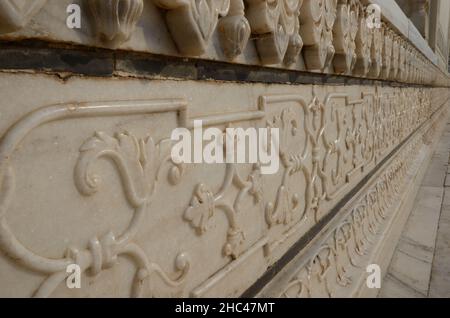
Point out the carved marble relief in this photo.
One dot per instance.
(363, 45)
(345, 31)
(376, 52)
(387, 53)
(330, 139)
(192, 22)
(115, 20)
(317, 19)
(275, 25)
(15, 14)
(338, 265)
(138, 162)
(332, 36)
(327, 144)
(395, 58)
(234, 30)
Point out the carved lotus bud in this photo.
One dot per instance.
(193, 22)
(234, 30)
(294, 48)
(115, 20)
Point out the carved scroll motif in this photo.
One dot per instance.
(137, 161)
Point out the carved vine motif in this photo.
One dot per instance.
(192, 23)
(376, 52)
(205, 203)
(137, 162)
(276, 25)
(15, 14)
(115, 20)
(342, 139)
(282, 211)
(341, 258)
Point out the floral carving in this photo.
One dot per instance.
(339, 260)
(344, 31)
(204, 205)
(363, 46)
(115, 20)
(201, 209)
(192, 23)
(138, 163)
(134, 157)
(376, 52)
(395, 58)
(234, 30)
(317, 18)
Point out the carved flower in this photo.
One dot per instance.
(201, 209)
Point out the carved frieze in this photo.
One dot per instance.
(363, 45)
(339, 265)
(327, 143)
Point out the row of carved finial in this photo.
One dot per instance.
(330, 36)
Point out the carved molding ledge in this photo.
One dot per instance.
(328, 143)
(325, 36)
